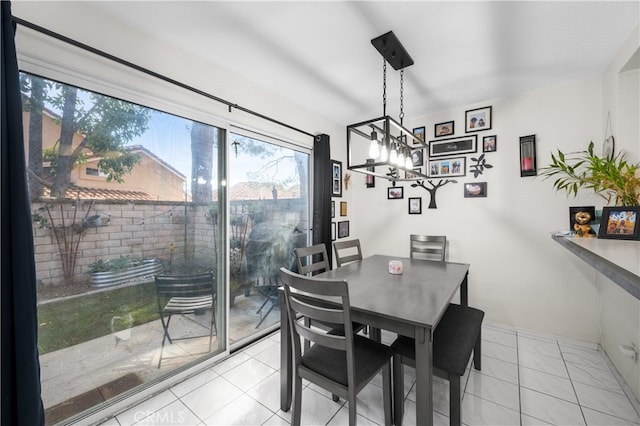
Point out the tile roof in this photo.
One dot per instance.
(103, 194)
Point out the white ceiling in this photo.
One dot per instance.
(319, 54)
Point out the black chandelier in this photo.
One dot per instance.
(383, 146)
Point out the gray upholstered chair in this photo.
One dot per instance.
(342, 364)
(428, 247)
(347, 251)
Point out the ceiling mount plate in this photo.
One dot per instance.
(392, 50)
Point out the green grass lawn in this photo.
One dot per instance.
(80, 319)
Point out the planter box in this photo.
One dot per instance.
(110, 278)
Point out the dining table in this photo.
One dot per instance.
(410, 303)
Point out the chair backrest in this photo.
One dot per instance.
(428, 247)
(192, 285)
(312, 259)
(347, 251)
(301, 298)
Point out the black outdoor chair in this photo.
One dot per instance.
(185, 295)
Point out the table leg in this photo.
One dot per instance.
(424, 377)
(286, 364)
(464, 294)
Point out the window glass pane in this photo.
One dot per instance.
(269, 198)
(120, 193)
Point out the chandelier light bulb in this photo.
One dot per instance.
(374, 149)
(393, 156)
(408, 163)
(384, 154)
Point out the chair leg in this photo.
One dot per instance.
(455, 401)
(477, 352)
(297, 402)
(353, 412)
(387, 394)
(398, 390)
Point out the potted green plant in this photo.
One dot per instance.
(609, 176)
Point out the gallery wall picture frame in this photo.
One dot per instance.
(412, 174)
(475, 190)
(446, 128)
(453, 146)
(477, 120)
(343, 208)
(395, 192)
(336, 178)
(448, 167)
(417, 157)
(620, 223)
(419, 132)
(415, 205)
(333, 231)
(528, 156)
(489, 143)
(370, 180)
(333, 209)
(343, 229)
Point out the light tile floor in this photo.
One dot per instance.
(526, 379)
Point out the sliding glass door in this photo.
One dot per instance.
(269, 217)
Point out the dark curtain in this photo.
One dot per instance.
(21, 402)
(322, 193)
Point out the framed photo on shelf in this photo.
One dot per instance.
(453, 146)
(620, 223)
(343, 208)
(475, 190)
(417, 156)
(395, 192)
(343, 229)
(591, 210)
(444, 129)
(333, 231)
(415, 205)
(419, 133)
(448, 167)
(336, 178)
(476, 120)
(489, 143)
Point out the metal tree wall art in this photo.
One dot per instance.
(478, 168)
(432, 189)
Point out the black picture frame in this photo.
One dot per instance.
(448, 167)
(575, 209)
(620, 223)
(395, 192)
(475, 190)
(370, 180)
(420, 133)
(412, 174)
(453, 146)
(333, 209)
(478, 119)
(528, 156)
(490, 143)
(446, 128)
(343, 229)
(415, 205)
(417, 157)
(336, 178)
(333, 231)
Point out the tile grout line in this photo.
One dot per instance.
(564, 361)
(518, 370)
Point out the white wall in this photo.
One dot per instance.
(518, 275)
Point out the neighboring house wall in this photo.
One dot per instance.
(151, 176)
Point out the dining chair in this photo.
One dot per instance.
(428, 247)
(313, 260)
(185, 295)
(343, 364)
(347, 251)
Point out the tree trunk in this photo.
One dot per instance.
(36, 107)
(432, 194)
(66, 159)
(202, 136)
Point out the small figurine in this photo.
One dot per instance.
(582, 227)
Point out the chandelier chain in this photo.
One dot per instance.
(401, 95)
(384, 87)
